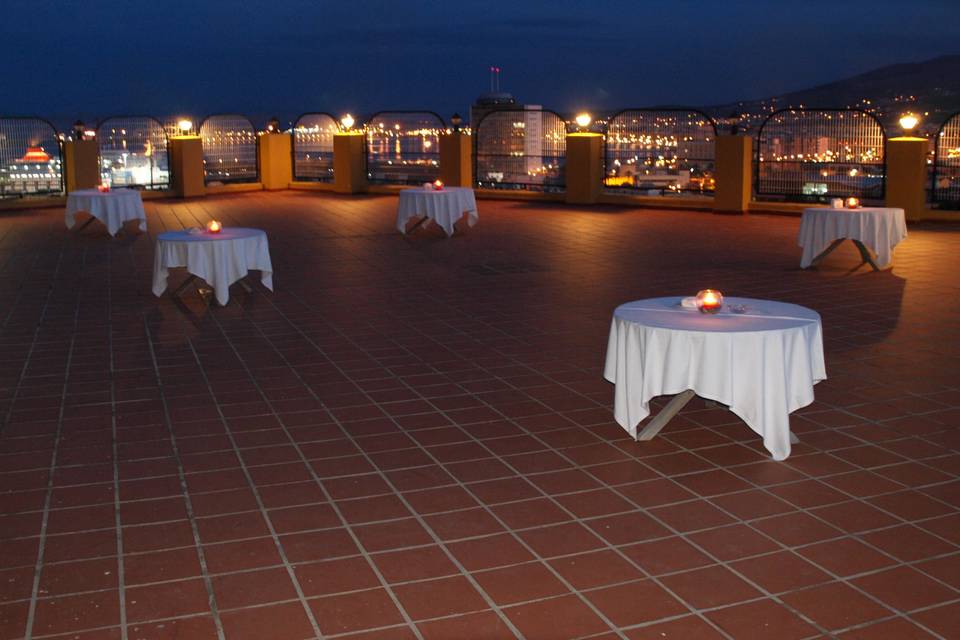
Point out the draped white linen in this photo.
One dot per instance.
(112, 208)
(219, 258)
(445, 207)
(762, 363)
(878, 228)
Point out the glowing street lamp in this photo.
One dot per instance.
(347, 122)
(273, 126)
(185, 126)
(908, 121)
(583, 120)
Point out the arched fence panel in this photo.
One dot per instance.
(813, 154)
(229, 149)
(403, 147)
(945, 188)
(520, 149)
(660, 151)
(31, 162)
(134, 152)
(312, 147)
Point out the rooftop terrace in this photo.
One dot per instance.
(412, 438)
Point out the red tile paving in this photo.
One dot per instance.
(411, 437)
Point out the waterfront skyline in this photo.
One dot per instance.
(94, 58)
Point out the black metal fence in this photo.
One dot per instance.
(134, 152)
(403, 147)
(229, 149)
(660, 151)
(814, 154)
(520, 149)
(312, 147)
(31, 159)
(945, 186)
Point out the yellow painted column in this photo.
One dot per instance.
(81, 164)
(907, 175)
(186, 166)
(276, 162)
(584, 167)
(349, 163)
(733, 157)
(456, 159)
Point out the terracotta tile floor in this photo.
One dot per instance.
(411, 438)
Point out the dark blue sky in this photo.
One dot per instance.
(65, 58)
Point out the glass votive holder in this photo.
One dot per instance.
(709, 301)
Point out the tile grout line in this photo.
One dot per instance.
(48, 499)
(261, 509)
(208, 584)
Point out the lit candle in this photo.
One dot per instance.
(438, 185)
(103, 188)
(853, 203)
(214, 226)
(709, 301)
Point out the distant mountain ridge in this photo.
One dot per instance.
(930, 86)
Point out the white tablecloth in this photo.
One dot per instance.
(444, 207)
(221, 259)
(762, 363)
(878, 228)
(112, 208)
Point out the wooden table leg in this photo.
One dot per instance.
(823, 254)
(186, 283)
(865, 254)
(414, 227)
(84, 225)
(666, 414)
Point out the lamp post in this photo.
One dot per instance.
(456, 120)
(273, 125)
(908, 123)
(583, 120)
(78, 129)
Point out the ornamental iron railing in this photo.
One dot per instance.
(403, 147)
(134, 152)
(312, 147)
(945, 185)
(660, 151)
(31, 160)
(814, 154)
(229, 149)
(520, 149)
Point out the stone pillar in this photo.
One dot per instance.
(81, 164)
(349, 163)
(276, 161)
(734, 174)
(186, 166)
(584, 167)
(456, 159)
(907, 175)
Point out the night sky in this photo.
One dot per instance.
(65, 59)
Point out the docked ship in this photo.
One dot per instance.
(36, 172)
